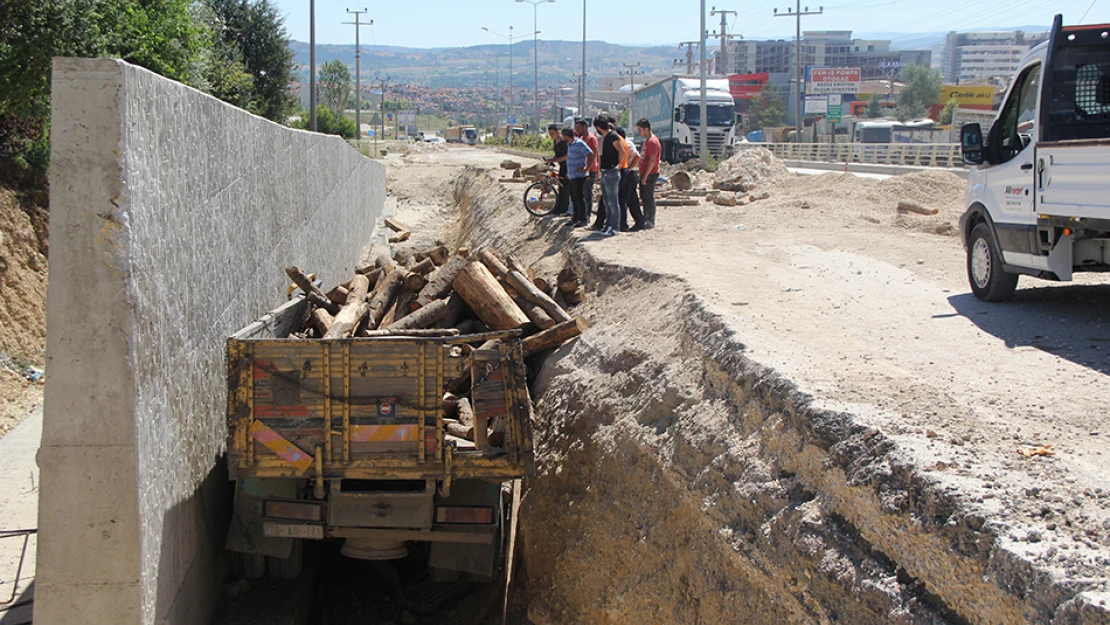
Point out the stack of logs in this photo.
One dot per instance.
(435, 292)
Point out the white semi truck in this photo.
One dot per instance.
(673, 106)
(1038, 199)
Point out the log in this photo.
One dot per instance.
(414, 282)
(910, 207)
(535, 313)
(338, 295)
(439, 254)
(466, 411)
(400, 236)
(556, 336)
(455, 308)
(413, 332)
(487, 298)
(426, 316)
(352, 312)
(399, 310)
(423, 267)
(493, 263)
(529, 292)
(515, 265)
(576, 296)
(439, 283)
(468, 326)
(311, 291)
(567, 280)
(544, 285)
(463, 251)
(321, 320)
(395, 225)
(455, 428)
(383, 295)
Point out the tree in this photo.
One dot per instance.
(329, 123)
(254, 29)
(766, 110)
(920, 89)
(874, 107)
(949, 111)
(335, 85)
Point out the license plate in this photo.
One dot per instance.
(291, 530)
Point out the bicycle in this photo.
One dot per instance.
(540, 198)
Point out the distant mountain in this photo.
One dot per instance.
(456, 67)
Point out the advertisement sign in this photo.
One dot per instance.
(827, 80)
(979, 98)
(406, 117)
(816, 105)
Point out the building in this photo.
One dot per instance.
(829, 48)
(985, 56)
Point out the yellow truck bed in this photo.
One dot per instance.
(368, 408)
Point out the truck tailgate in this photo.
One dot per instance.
(1072, 179)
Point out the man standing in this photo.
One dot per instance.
(649, 170)
(582, 130)
(579, 160)
(630, 201)
(609, 164)
(560, 146)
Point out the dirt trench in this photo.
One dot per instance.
(679, 481)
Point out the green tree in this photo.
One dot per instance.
(329, 123)
(874, 107)
(335, 85)
(766, 110)
(948, 111)
(254, 29)
(920, 89)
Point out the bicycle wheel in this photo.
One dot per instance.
(539, 198)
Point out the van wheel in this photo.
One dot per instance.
(984, 267)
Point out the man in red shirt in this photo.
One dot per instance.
(582, 129)
(651, 151)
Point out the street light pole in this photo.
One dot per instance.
(312, 65)
(510, 38)
(703, 139)
(536, 56)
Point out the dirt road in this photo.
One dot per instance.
(867, 313)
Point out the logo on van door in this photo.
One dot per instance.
(1015, 191)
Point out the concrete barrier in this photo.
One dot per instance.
(172, 215)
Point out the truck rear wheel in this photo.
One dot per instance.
(989, 282)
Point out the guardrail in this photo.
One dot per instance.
(915, 154)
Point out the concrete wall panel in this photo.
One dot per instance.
(172, 217)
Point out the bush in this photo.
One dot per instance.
(328, 123)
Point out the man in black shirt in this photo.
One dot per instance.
(612, 150)
(562, 206)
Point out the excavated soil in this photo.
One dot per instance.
(23, 269)
(739, 439)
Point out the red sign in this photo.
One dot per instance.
(747, 86)
(833, 80)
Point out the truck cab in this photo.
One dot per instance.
(1038, 198)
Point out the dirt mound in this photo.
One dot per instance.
(752, 167)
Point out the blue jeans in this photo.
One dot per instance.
(610, 188)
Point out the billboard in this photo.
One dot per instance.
(826, 80)
(978, 98)
(817, 105)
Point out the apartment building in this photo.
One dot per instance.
(985, 56)
(827, 48)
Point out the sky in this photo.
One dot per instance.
(458, 23)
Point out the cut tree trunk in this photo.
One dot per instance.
(399, 310)
(545, 285)
(493, 263)
(338, 295)
(515, 265)
(400, 236)
(556, 336)
(352, 312)
(414, 282)
(487, 298)
(395, 225)
(535, 313)
(311, 291)
(423, 267)
(910, 207)
(383, 296)
(529, 292)
(427, 315)
(413, 332)
(439, 283)
(439, 254)
(466, 412)
(322, 321)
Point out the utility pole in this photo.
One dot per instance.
(582, 93)
(631, 91)
(536, 57)
(381, 132)
(722, 67)
(797, 15)
(358, 72)
(312, 65)
(703, 137)
(689, 54)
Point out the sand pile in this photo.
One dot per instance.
(751, 168)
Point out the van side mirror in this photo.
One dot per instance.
(971, 144)
(678, 115)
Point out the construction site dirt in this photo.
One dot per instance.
(790, 408)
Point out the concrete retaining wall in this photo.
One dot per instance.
(172, 216)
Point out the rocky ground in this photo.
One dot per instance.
(796, 409)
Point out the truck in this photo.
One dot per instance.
(1038, 196)
(461, 134)
(345, 440)
(509, 133)
(673, 106)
